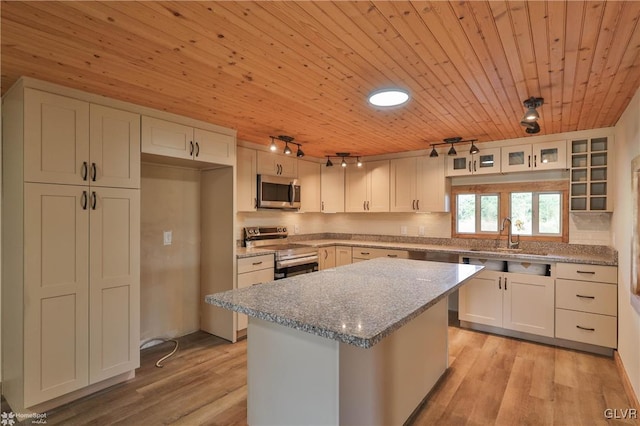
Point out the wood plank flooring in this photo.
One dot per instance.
(491, 380)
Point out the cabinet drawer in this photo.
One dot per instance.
(593, 329)
(372, 253)
(248, 264)
(597, 273)
(256, 277)
(596, 298)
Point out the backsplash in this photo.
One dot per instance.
(590, 228)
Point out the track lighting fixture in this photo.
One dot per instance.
(531, 115)
(452, 150)
(287, 140)
(344, 156)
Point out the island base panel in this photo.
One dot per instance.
(296, 378)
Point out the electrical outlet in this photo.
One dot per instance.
(403, 230)
(167, 237)
(296, 229)
(421, 231)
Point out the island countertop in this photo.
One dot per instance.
(359, 304)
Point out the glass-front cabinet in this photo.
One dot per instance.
(537, 156)
(589, 175)
(484, 162)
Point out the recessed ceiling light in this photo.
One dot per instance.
(388, 97)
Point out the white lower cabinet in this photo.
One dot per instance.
(343, 256)
(518, 302)
(326, 257)
(359, 254)
(587, 304)
(253, 271)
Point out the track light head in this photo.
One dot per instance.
(474, 149)
(299, 152)
(273, 146)
(287, 150)
(344, 163)
(531, 104)
(452, 150)
(358, 162)
(433, 152)
(329, 163)
(531, 128)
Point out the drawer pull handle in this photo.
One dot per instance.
(586, 272)
(366, 253)
(257, 263)
(499, 283)
(256, 284)
(392, 255)
(585, 328)
(585, 297)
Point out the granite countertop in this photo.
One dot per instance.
(359, 304)
(524, 255)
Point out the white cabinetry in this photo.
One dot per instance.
(418, 184)
(326, 257)
(518, 302)
(309, 180)
(332, 190)
(537, 156)
(253, 271)
(73, 231)
(586, 304)
(246, 179)
(165, 138)
(359, 254)
(343, 255)
(277, 165)
(484, 162)
(590, 182)
(367, 187)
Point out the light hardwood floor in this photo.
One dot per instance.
(491, 380)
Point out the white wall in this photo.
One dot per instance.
(169, 275)
(627, 147)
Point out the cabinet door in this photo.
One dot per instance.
(480, 299)
(355, 189)
(114, 296)
(432, 186)
(516, 158)
(403, 181)
(529, 303)
(162, 137)
(326, 258)
(332, 189)
(56, 140)
(114, 148)
(56, 274)
(343, 256)
(378, 186)
(459, 165)
(248, 279)
(486, 161)
(309, 180)
(277, 165)
(213, 147)
(247, 183)
(550, 155)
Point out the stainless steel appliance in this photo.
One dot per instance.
(290, 258)
(276, 192)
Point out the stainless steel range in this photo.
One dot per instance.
(290, 258)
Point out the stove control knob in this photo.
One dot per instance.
(284, 229)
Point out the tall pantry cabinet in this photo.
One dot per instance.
(71, 245)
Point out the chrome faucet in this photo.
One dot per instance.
(510, 243)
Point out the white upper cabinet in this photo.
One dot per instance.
(277, 165)
(537, 156)
(247, 185)
(367, 187)
(309, 180)
(418, 184)
(56, 141)
(331, 189)
(69, 141)
(165, 138)
(484, 162)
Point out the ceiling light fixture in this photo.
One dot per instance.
(452, 150)
(343, 156)
(358, 162)
(329, 163)
(287, 141)
(388, 97)
(344, 163)
(531, 115)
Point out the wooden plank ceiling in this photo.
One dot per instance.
(305, 69)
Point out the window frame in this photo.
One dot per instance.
(478, 214)
(504, 190)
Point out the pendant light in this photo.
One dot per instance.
(474, 149)
(329, 163)
(299, 152)
(452, 150)
(287, 150)
(433, 152)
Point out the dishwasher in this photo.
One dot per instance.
(440, 256)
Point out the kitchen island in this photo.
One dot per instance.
(358, 344)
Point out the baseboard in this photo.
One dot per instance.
(628, 389)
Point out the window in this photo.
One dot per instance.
(479, 210)
(477, 213)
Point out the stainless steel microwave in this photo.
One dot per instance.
(275, 192)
